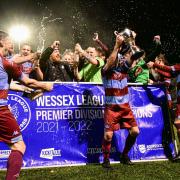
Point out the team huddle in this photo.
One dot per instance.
(113, 68)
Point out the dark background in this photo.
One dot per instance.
(80, 19)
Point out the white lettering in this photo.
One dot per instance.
(54, 114)
(89, 100)
(142, 113)
(88, 113)
(49, 101)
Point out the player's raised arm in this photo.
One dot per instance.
(112, 58)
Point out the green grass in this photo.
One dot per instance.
(165, 170)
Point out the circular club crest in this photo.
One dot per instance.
(20, 109)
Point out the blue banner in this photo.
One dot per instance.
(65, 126)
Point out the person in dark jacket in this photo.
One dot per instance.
(52, 67)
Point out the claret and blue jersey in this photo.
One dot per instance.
(115, 84)
(8, 70)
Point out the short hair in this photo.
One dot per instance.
(3, 35)
(68, 51)
(100, 50)
(163, 57)
(26, 44)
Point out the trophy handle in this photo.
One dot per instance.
(116, 33)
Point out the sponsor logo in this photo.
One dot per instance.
(4, 154)
(142, 148)
(20, 109)
(152, 147)
(99, 150)
(50, 153)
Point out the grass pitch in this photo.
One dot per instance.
(164, 170)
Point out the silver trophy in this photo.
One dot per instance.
(129, 35)
(129, 43)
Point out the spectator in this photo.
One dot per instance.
(139, 72)
(104, 48)
(162, 77)
(72, 59)
(29, 62)
(14, 85)
(175, 71)
(52, 66)
(91, 70)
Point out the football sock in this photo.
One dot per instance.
(130, 140)
(14, 165)
(106, 147)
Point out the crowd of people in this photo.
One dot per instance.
(126, 62)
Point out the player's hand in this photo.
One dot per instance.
(133, 34)
(36, 64)
(55, 44)
(157, 37)
(95, 38)
(35, 94)
(35, 56)
(28, 90)
(48, 86)
(78, 48)
(119, 40)
(150, 81)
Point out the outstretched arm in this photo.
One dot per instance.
(32, 83)
(164, 73)
(155, 50)
(100, 43)
(112, 58)
(46, 55)
(22, 59)
(91, 59)
(14, 70)
(175, 68)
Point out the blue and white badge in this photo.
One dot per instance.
(20, 109)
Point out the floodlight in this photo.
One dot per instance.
(19, 33)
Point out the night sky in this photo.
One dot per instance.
(77, 20)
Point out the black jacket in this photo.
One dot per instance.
(53, 71)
